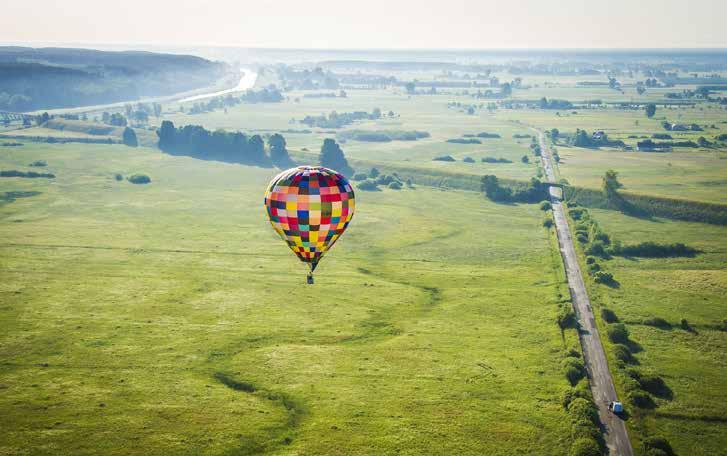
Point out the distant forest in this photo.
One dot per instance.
(48, 78)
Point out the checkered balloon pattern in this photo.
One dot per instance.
(310, 208)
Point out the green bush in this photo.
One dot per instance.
(597, 248)
(566, 317)
(653, 384)
(396, 185)
(590, 259)
(594, 268)
(139, 179)
(658, 443)
(369, 185)
(608, 315)
(548, 222)
(622, 353)
(39, 163)
(641, 399)
(578, 213)
(573, 374)
(658, 323)
(583, 410)
(468, 160)
(617, 333)
(444, 158)
(603, 277)
(684, 324)
(545, 206)
(359, 176)
(582, 238)
(585, 447)
(118, 177)
(585, 430)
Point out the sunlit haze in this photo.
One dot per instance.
(371, 24)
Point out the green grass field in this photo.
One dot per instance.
(692, 364)
(169, 318)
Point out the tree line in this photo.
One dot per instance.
(237, 147)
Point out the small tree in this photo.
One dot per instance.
(650, 110)
(610, 185)
(129, 137)
(332, 157)
(525, 159)
(278, 152)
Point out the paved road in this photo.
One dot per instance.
(614, 429)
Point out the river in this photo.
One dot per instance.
(247, 81)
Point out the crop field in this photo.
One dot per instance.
(169, 318)
(691, 412)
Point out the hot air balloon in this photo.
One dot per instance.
(310, 207)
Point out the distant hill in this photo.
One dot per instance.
(60, 77)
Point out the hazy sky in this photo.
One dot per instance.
(371, 23)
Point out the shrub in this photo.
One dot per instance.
(641, 399)
(594, 268)
(597, 248)
(590, 260)
(684, 324)
(608, 315)
(384, 179)
(368, 185)
(578, 213)
(139, 179)
(653, 384)
(129, 137)
(374, 173)
(583, 410)
(28, 174)
(359, 176)
(566, 318)
(468, 160)
(603, 277)
(548, 222)
(622, 353)
(585, 447)
(396, 185)
(573, 374)
(574, 362)
(464, 141)
(545, 206)
(617, 333)
(658, 443)
(658, 323)
(650, 249)
(39, 163)
(444, 158)
(118, 177)
(582, 238)
(585, 430)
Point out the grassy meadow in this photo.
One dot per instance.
(692, 414)
(169, 318)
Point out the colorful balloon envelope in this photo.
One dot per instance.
(310, 207)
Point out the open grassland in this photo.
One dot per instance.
(687, 173)
(168, 318)
(421, 113)
(691, 412)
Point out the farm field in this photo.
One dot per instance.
(168, 317)
(690, 414)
